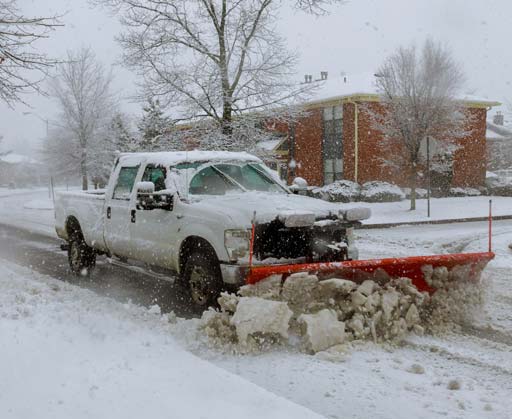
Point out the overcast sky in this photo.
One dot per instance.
(354, 38)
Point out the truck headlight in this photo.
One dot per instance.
(237, 243)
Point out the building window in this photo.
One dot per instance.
(333, 143)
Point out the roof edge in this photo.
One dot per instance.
(374, 97)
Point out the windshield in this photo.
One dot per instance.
(219, 179)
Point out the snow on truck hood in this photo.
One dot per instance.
(293, 210)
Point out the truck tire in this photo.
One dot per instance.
(81, 257)
(202, 281)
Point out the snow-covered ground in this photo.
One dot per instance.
(66, 352)
(6, 192)
(97, 357)
(29, 209)
(379, 381)
(440, 209)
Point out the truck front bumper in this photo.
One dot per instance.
(238, 275)
(234, 274)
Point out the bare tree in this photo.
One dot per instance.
(418, 96)
(22, 67)
(61, 153)
(211, 59)
(82, 88)
(316, 6)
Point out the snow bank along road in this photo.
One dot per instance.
(66, 352)
(100, 350)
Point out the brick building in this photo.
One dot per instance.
(336, 140)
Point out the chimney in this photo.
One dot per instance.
(498, 118)
(323, 75)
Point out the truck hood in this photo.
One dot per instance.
(268, 206)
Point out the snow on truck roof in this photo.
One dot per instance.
(175, 157)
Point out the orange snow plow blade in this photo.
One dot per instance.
(380, 269)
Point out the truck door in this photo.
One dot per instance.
(120, 210)
(154, 231)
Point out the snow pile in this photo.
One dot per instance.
(457, 299)
(257, 315)
(321, 314)
(464, 192)
(337, 312)
(339, 191)
(377, 191)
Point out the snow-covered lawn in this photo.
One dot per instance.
(440, 209)
(66, 352)
(7, 192)
(30, 209)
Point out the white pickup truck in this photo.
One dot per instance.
(190, 215)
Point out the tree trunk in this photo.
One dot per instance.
(83, 170)
(227, 118)
(413, 189)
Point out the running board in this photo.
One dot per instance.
(140, 270)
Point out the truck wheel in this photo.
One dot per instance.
(81, 257)
(202, 280)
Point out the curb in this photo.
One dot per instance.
(428, 222)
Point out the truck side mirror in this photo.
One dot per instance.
(148, 199)
(299, 186)
(145, 188)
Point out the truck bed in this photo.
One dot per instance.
(86, 206)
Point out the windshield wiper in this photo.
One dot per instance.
(228, 178)
(268, 177)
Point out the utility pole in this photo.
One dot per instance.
(428, 176)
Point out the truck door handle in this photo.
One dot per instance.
(133, 213)
(109, 213)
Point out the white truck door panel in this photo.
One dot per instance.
(153, 237)
(153, 233)
(120, 208)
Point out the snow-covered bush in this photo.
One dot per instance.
(464, 192)
(491, 175)
(315, 192)
(377, 191)
(498, 186)
(340, 191)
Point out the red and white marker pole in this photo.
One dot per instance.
(490, 225)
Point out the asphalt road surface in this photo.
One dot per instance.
(43, 255)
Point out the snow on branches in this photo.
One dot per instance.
(211, 60)
(418, 100)
(22, 66)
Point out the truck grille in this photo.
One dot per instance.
(275, 240)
